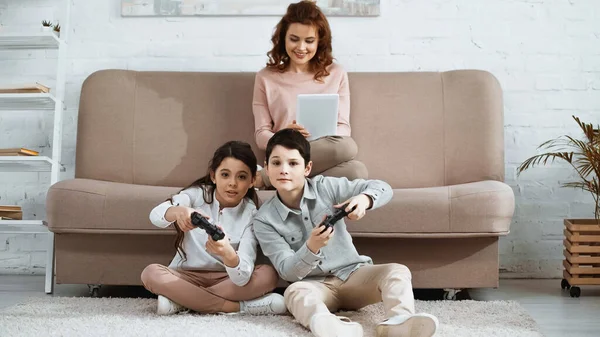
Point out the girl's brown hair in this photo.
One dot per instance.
(306, 13)
(233, 149)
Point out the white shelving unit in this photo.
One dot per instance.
(23, 226)
(26, 164)
(15, 102)
(39, 40)
(53, 101)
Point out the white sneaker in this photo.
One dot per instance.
(167, 307)
(330, 325)
(417, 325)
(270, 304)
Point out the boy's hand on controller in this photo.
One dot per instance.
(318, 240)
(362, 203)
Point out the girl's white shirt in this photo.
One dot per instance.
(236, 222)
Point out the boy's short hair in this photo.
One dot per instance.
(292, 140)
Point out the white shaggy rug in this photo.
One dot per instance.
(72, 316)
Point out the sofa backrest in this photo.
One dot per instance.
(426, 129)
(418, 129)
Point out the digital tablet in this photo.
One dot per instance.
(318, 113)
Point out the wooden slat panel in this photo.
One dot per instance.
(585, 259)
(586, 270)
(578, 281)
(568, 234)
(580, 237)
(580, 248)
(582, 225)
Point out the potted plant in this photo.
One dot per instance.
(57, 29)
(582, 236)
(46, 26)
(582, 155)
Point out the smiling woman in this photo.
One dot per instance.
(301, 62)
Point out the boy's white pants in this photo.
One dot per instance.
(390, 283)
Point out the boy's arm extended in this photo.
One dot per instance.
(290, 265)
(342, 189)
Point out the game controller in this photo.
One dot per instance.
(213, 231)
(337, 215)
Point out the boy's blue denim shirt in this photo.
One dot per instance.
(282, 232)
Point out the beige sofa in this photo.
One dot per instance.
(437, 138)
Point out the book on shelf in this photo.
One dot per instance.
(8, 212)
(18, 151)
(34, 88)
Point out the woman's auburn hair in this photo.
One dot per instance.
(306, 13)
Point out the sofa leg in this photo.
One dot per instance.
(450, 294)
(94, 290)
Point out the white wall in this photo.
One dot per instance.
(546, 54)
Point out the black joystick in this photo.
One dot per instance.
(337, 215)
(213, 231)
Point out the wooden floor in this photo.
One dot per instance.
(556, 312)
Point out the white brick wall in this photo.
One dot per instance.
(546, 54)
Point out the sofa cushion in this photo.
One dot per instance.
(85, 205)
(443, 128)
(101, 206)
(128, 117)
(484, 207)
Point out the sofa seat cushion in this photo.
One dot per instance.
(484, 207)
(85, 205)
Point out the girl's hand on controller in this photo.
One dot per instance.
(223, 249)
(182, 216)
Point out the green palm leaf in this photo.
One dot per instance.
(582, 155)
